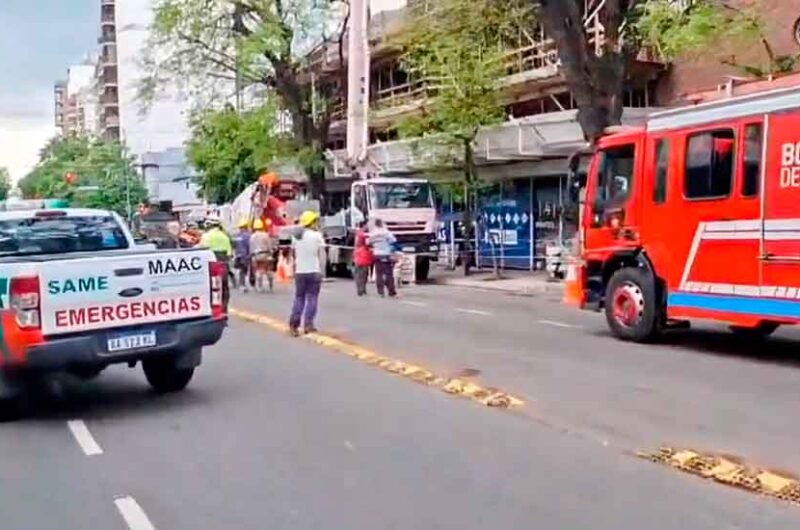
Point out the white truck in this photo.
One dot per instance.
(406, 207)
(78, 294)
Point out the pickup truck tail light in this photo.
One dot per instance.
(25, 301)
(217, 274)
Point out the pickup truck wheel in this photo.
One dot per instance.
(164, 376)
(630, 305)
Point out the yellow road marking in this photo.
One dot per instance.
(730, 471)
(486, 396)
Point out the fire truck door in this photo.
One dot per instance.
(780, 208)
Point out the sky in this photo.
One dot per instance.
(38, 41)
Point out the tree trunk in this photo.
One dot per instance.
(307, 133)
(596, 82)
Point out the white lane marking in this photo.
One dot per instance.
(473, 312)
(412, 303)
(84, 438)
(133, 514)
(557, 324)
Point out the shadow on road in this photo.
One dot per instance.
(63, 397)
(774, 350)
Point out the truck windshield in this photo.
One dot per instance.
(401, 195)
(58, 235)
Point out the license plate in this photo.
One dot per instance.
(408, 249)
(132, 341)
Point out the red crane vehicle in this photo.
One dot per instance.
(696, 215)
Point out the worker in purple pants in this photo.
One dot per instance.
(309, 258)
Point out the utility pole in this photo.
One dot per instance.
(358, 87)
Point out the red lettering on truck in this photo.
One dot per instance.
(119, 313)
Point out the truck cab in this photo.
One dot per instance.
(406, 207)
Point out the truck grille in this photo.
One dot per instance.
(406, 227)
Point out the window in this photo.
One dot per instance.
(751, 173)
(58, 235)
(401, 195)
(662, 171)
(616, 174)
(360, 199)
(709, 164)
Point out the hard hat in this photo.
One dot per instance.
(258, 224)
(244, 222)
(308, 218)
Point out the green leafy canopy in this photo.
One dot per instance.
(96, 163)
(231, 149)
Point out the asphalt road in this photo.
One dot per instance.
(279, 433)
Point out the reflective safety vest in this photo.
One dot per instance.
(217, 241)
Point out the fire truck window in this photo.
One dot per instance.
(709, 165)
(662, 169)
(753, 143)
(616, 176)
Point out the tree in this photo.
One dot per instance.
(5, 183)
(213, 45)
(231, 149)
(670, 28)
(458, 48)
(96, 163)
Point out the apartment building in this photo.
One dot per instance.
(106, 73)
(75, 100)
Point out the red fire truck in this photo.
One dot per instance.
(696, 215)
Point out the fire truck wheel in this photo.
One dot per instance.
(630, 305)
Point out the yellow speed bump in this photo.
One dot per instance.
(729, 471)
(489, 397)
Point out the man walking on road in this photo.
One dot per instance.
(309, 259)
(363, 259)
(382, 242)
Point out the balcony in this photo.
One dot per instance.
(107, 19)
(111, 121)
(107, 3)
(108, 57)
(107, 37)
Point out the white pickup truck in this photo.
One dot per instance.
(78, 294)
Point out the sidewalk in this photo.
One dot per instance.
(521, 283)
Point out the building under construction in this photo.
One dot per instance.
(524, 158)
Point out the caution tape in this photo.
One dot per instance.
(729, 471)
(490, 397)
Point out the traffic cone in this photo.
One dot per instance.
(283, 274)
(573, 290)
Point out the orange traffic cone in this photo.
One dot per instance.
(284, 271)
(573, 290)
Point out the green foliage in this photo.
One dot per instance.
(231, 149)
(458, 49)
(96, 163)
(209, 47)
(672, 31)
(5, 183)
(203, 44)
